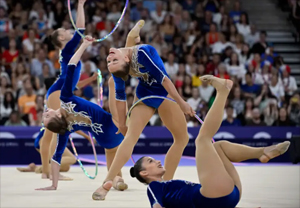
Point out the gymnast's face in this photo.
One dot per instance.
(116, 59)
(152, 168)
(49, 114)
(65, 35)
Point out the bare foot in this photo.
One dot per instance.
(31, 168)
(39, 169)
(119, 184)
(221, 85)
(49, 188)
(101, 192)
(274, 151)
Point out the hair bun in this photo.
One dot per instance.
(132, 172)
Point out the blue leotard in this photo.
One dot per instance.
(146, 60)
(184, 194)
(65, 56)
(100, 126)
(38, 138)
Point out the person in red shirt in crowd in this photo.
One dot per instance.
(11, 54)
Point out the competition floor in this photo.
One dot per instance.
(269, 185)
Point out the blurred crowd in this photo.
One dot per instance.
(193, 38)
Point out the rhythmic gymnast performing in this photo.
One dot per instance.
(144, 63)
(67, 43)
(77, 114)
(220, 185)
(67, 159)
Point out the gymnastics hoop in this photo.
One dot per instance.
(106, 36)
(100, 103)
(157, 97)
(79, 161)
(100, 89)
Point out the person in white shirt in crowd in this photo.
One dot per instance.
(115, 14)
(206, 91)
(289, 83)
(29, 42)
(276, 88)
(217, 17)
(37, 64)
(220, 46)
(245, 55)
(159, 14)
(243, 26)
(234, 67)
(195, 99)
(190, 65)
(239, 43)
(253, 37)
(171, 66)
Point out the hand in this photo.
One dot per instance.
(88, 40)
(95, 75)
(50, 188)
(187, 109)
(122, 129)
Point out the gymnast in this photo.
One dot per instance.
(144, 63)
(220, 183)
(67, 43)
(76, 114)
(67, 159)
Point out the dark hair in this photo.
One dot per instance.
(11, 103)
(249, 73)
(136, 169)
(246, 16)
(263, 32)
(54, 39)
(123, 72)
(58, 125)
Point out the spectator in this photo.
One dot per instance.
(237, 102)
(283, 119)
(206, 91)
(171, 66)
(159, 14)
(269, 55)
(19, 74)
(7, 107)
(270, 113)
(5, 24)
(27, 101)
(256, 120)
(243, 26)
(245, 55)
(5, 84)
(220, 46)
(168, 28)
(253, 36)
(37, 64)
(29, 42)
(218, 16)
(294, 109)
(239, 43)
(261, 46)
(234, 67)
(230, 120)
(196, 82)
(212, 36)
(222, 71)
(11, 54)
(232, 33)
(114, 15)
(250, 89)
(15, 120)
(189, 5)
(276, 88)
(290, 84)
(236, 12)
(195, 99)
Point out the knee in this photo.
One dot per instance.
(182, 140)
(64, 168)
(219, 144)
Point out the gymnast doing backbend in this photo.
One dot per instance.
(144, 63)
(77, 114)
(220, 185)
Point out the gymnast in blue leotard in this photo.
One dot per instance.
(143, 62)
(67, 42)
(220, 186)
(76, 114)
